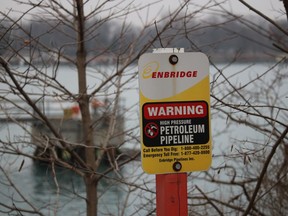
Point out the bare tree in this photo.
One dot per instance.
(25, 95)
(250, 158)
(98, 49)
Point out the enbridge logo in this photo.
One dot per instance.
(151, 70)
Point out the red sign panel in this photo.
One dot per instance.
(175, 110)
(175, 123)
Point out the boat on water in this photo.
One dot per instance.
(108, 133)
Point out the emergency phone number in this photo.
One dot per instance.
(195, 152)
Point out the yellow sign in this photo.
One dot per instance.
(175, 112)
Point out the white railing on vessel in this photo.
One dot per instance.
(19, 110)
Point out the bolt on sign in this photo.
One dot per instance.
(175, 112)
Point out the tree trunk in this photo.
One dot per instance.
(90, 157)
(91, 196)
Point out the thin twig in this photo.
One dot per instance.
(158, 35)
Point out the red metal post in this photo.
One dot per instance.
(171, 194)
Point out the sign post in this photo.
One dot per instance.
(175, 122)
(171, 194)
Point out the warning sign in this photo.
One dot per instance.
(177, 123)
(175, 112)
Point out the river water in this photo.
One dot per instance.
(36, 182)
